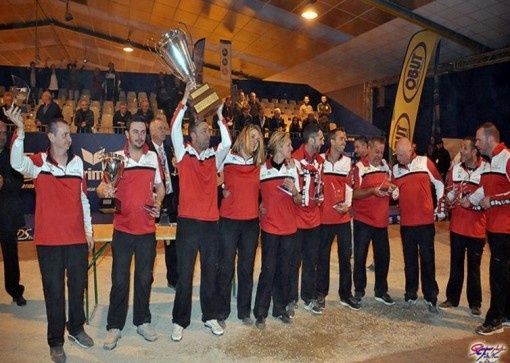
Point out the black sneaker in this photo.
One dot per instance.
(246, 321)
(385, 299)
(313, 307)
(505, 322)
(358, 296)
(321, 301)
(82, 339)
(290, 310)
(57, 354)
(351, 303)
(489, 329)
(260, 323)
(475, 311)
(432, 307)
(20, 300)
(284, 318)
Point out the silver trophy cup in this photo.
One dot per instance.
(173, 49)
(113, 166)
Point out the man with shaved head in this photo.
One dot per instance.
(413, 175)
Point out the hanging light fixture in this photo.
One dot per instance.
(310, 11)
(128, 47)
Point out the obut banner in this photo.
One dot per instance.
(410, 86)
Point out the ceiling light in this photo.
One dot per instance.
(128, 47)
(309, 11)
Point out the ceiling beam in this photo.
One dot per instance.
(404, 13)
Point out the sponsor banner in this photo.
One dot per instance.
(225, 60)
(198, 59)
(410, 86)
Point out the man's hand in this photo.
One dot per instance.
(14, 114)
(187, 92)
(90, 242)
(341, 208)
(485, 203)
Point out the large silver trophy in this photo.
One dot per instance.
(173, 49)
(113, 166)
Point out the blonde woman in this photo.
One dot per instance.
(239, 222)
(279, 190)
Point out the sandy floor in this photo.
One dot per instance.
(377, 333)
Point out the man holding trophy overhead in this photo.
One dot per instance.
(139, 192)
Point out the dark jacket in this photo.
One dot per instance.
(11, 211)
(51, 113)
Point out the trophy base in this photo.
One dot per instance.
(109, 205)
(204, 100)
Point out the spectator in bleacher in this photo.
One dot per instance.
(34, 80)
(276, 123)
(145, 111)
(162, 91)
(73, 81)
(241, 104)
(111, 84)
(120, 118)
(240, 121)
(8, 101)
(295, 127)
(261, 121)
(96, 89)
(305, 109)
(52, 78)
(255, 105)
(46, 112)
(84, 118)
(324, 112)
(309, 120)
(441, 159)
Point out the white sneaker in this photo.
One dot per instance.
(147, 331)
(177, 332)
(112, 337)
(212, 324)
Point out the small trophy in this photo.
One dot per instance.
(173, 49)
(113, 166)
(319, 186)
(284, 188)
(149, 204)
(338, 197)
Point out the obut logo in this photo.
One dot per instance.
(402, 128)
(414, 72)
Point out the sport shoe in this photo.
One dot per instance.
(260, 323)
(313, 307)
(410, 303)
(505, 322)
(177, 332)
(57, 354)
(475, 311)
(358, 296)
(447, 304)
(489, 329)
(247, 321)
(216, 329)
(82, 339)
(284, 318)
(290, 310)
(222, 323)
(371, 267)
(351, 303)
(321, 301)
(385, 299)
(112, 337)
(432, 307)
(147, 332)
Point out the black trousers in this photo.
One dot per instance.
(236, 238)
(363, 234)
(171, 262)
(193, 236)
(418, 247)
(124, 247)
(499, 276)
(274, 275)
(9, 242)
(306, 251)
(56, 263)
(343, 234)
(460, 246)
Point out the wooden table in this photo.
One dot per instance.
(103, 234)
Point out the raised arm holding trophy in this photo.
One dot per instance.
(173, 48)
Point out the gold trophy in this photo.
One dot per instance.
(173, 49)
(113, 166)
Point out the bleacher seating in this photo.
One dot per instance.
(106, 123)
